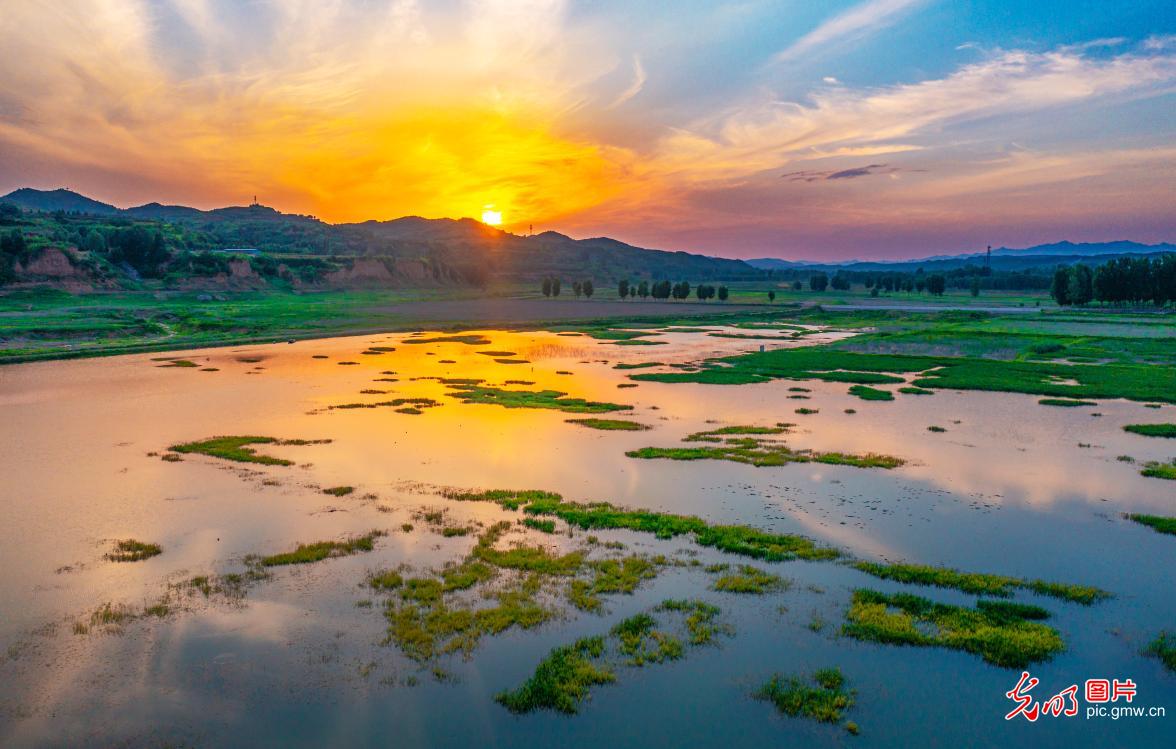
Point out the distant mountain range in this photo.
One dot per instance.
(458, 241)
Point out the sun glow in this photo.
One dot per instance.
(491, 216)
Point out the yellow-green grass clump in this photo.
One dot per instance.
(980, 583)
(397, 403)
(473, 339)
(911, 390)
(236, 448)
(821, 697)
(179, 363)
(611, 425)
(316, 552)
(1159, 470)
(641, 643)
(1156, 522)
(867, 393)
(610, 576)
(130, 550)
(716, 435)
(522, 557)
(561, 680)
(735, 539)
(1065, 402)
(1152, 430)
(543, 526)
(1001, 632)
(549, 399)
(1164, 648)
(748, 579)
(762, 453)
(339, 491)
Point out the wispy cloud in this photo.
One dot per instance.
(634, 88)
(855, 23)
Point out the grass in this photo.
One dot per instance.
(642, 644)
(130, 550)
(1156, 522)
(1152, 430)
(316, 552)
(236, 448)
(1065, 402)
(1005, 635)
(979, 583)
(934, 428)
(1164, 648)
(385, 580)
(402, 405)
(549, 399)
(561, 680)
(911, 390)
(610, 576)
(611, 425)
(467, 339)
(821, 697)
(524, 558)
(544, 526)
(713, 435)
(700, 619)
(735, 539)
(181, 363)
(749, 580)
(762, 453)
(867, 393)
(1159, 470)
(339, 491)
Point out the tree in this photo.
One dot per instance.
(771, 296)
(797, 286)
(1081, 285)
(818, 282)
(936, 284)
(577, 288)
(14, 246)
(723, 293)
(643, 289)
(1060, 288)
(555, 287)
(623, 288)
(975, 287)
(840, 281)
(547, 287)
(588, 289)
(95, 242)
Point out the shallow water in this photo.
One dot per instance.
(1007, 489)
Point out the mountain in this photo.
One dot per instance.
(58, 200)
(449, 247)
(1003, 258)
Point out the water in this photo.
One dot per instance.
(1006, 489)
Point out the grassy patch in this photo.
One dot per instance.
(749, 579)
(181, 363)
(130, 550)
(761, 453)
(1065, 402)
(385, 580)
(1156, 522)
(734, 539)
(934, 428)
(911, 390)
(821, 697)
(979, 583)
(867, 393)
(524, 558)
(339, 491)
(549, 399)
(316, 552)
(402, 405)
(1164, 648)
(1159, 470)
(1152, 430)
(610, 576)
(236, 448)
(638, 365)
(1008, 636)
(468, 339)
(561, 680)
(544, 526)
(611, 425)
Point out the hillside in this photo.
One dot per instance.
(306, 251)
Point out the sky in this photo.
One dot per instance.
(785, 128)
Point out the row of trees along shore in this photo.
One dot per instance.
(644, 289)
(1121, 280)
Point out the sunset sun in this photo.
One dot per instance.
(491, 216)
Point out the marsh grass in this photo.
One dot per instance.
(911, 390)
(1159, 470)
(316, 552)
(548, 399)
(934, 428)
(1065, 402)
(561, 680)
(821, 697)
(750, 580)
(1152, 430)
(763, 453)
(180, 363)
(979, 583)
(236, 448)
(1156, 522)
(1004, 634)
(400, 404)
(130, 550)
(610, 576)
(468, 339)
(339, 491)
(611, 425)
(867, 393)
(544, 526)
(1164, 648)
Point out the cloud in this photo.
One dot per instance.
(634, 88)
(855, 23)
(809, 175)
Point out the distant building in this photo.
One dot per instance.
(238, 251)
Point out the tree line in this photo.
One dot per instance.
(1121, 280)
(551, 287)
